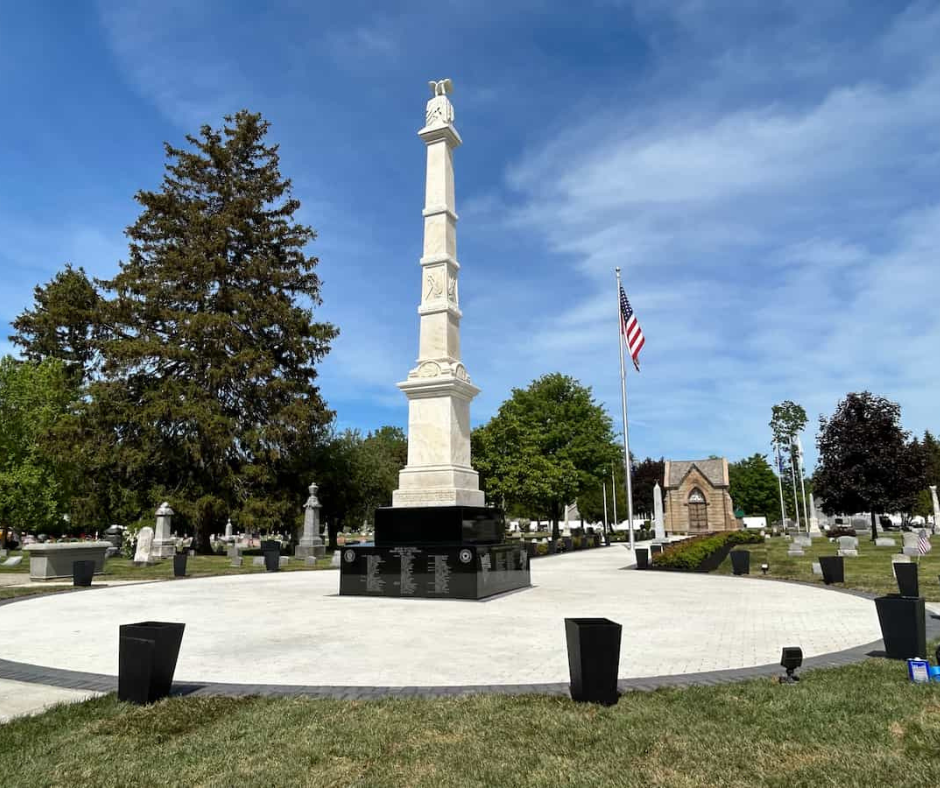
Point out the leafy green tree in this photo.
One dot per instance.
(62, 323)
(209, 346)
(866, 461)
(754, 487)
(33, 397)
(546, 445)
(787, 421)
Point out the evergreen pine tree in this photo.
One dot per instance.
(209, 345)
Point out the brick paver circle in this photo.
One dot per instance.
(293, 630)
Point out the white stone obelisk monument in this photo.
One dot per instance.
(813, 519)
(439, 390)
(659, 527)
(936, 507)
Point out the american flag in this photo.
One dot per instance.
(630, 328)
(923, 542)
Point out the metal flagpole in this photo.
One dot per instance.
(613, 495)
(626, 438)
(796, 501)
(799, 457)
(783, 508)
(606, 532)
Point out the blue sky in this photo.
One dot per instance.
(767, 175)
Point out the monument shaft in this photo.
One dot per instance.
(439, 390)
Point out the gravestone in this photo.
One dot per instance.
(284, 561)
(848, 542)
(803, 541)
(910, 544)
(228, 530)
(336, 559)
(817, 568)
(164, 541)
(235, 555)
(3, 553)
(795, 550)
(900, 559)
(257, 560)
(310, 560)
(15, 560)
(144, 553)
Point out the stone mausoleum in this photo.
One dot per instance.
(697, 497)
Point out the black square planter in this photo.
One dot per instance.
(82, 572)
(642, 558)
(179, 565)
(906, 575)
(903, 626)
(833, 569)
(593, 659)
(272, 560)
(147, 654)
(741, 562)
(271, 544)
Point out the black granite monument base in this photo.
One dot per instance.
(436, 552)
(433, 571)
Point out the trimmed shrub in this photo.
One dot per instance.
(690, 554)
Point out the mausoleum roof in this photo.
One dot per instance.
(713, 470)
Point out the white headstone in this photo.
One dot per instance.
(15, 560)
(848, 543)
(258, 560)
(228, 528)
(144, 552)
(817, 568)
(885, 541)
(658, 525)
(337, 557)
(310, 560)
(909, 539)
(284, 561)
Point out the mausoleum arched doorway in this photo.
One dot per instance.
(698, 514)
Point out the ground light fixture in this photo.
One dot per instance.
(764, 568)
(790, 659)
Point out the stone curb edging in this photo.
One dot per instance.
(99, 682)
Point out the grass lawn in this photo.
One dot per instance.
(196, 566)
(871, 571)
(861, 725)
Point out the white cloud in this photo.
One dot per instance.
(773, 251)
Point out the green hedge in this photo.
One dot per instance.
(690, 554)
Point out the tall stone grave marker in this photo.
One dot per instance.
(813, 519)
(164, 544)
(310, 543)
(659, 528)
(936, 507)
(438, 539)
